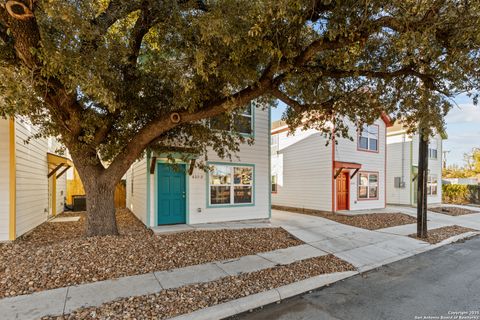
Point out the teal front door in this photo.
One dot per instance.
(171, 195)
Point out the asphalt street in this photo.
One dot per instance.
(440, 284)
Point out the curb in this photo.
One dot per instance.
(241, 305)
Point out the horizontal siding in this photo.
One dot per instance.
(4, 179)
(137, 197)
(32, 182)
(257, 154)
(398, 163)
(405, 196)
(303, 170)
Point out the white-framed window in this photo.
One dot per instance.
(240, 121)
(432, 185)
(274, 184)
(274, 141)
(368, 138)
(368, 185)
(230, 185)
(432, 150)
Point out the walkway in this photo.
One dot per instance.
(363, 248)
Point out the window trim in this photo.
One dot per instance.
(252, 116)
(378, 185)
(359, 133)
(276, 183)
(429, 185)
(231, 205)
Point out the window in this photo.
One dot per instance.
(274, 184)
(274, 139)
(367, 185)
(432, 185)
(230, 185)
(432, 150)
(240, 121)
(368, 138)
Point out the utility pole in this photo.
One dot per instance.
(422, 184)
(445, 158)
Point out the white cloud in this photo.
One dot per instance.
(464, 113)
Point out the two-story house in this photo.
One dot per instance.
(32, 178)
(309, 174)
(232, 190)
(402, 167)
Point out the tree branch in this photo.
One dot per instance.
(297, 106)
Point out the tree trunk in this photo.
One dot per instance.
(100, 207)
(422, 177)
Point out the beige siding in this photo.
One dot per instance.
(4, 179)
(137, 189)
(32, 182)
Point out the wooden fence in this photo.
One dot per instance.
(75, 188)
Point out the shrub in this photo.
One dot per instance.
(460, 194)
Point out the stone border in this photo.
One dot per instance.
(234, 307)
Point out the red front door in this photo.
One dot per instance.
(343, 191)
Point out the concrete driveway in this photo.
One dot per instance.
(364, 249)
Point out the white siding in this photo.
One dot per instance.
(4, 179)
(406, 195)
(258, 155)
(347, 150)
(304, 171)
(137, 198)
(398, 165)
(32, 182)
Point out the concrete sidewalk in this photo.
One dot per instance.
(362, 248)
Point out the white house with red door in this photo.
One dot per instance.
(237, 189)
(308, 174)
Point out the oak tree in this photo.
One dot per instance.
(112, 78)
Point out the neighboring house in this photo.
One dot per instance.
(236, 190)
(308, 174)
(402, 167)
(32, 179)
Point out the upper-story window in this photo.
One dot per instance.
(274, 140)
(368, 138)
(241, 121)
(432, 185)
(432, 150)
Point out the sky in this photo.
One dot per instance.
(463, 128)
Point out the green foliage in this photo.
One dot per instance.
(105, 76)
(460, 194)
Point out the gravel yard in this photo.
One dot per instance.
(453, 211)
(58, 254)
(440, 234)
(370, 221)
(169, 303)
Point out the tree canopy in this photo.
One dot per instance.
(112, 78)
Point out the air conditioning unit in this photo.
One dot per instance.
(399, 183)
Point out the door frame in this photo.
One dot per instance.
(187, 190)
(347, 173)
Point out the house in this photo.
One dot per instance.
(402, 167)
(309, 174)
(32, 178)
(232, 190)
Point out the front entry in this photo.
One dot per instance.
(171, 195)
(343, 186)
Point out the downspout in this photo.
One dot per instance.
(333, 167)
